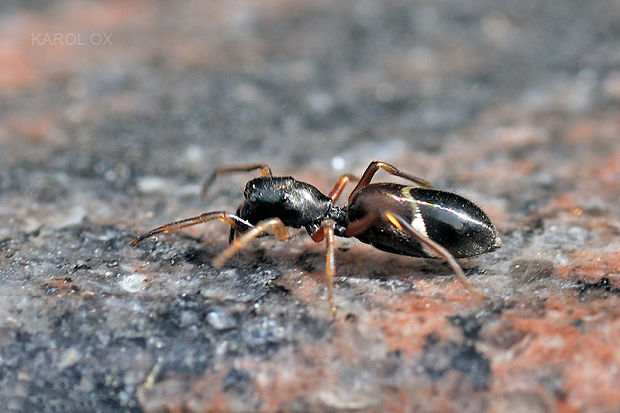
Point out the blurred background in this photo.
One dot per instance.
(113, 112)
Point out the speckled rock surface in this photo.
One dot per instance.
(113, 112)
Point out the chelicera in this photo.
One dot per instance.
(413, 220)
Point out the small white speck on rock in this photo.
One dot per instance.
(133, 283)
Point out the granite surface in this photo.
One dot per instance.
(113, 112)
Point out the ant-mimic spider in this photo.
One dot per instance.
(417, 221)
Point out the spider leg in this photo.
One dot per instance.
(334, 194)
(231, 219)
(402, 224)
(357, 227)
(326, 232)
(372, 169)
(264, 171)
(274, 224)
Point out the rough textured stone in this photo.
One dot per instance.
(511, 104)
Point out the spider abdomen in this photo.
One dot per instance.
(454, 222)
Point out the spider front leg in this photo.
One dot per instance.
(233, 220)
(265, 170)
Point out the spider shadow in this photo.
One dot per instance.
(353, 260)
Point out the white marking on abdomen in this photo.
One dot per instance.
(418, 221)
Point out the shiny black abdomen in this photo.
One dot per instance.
(448, 219)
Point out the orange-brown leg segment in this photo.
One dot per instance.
(264, 171)
(361, 225)
(358, 226)
(273, 224)
(328, 228)
(330, 263)
(326, 232)
(231, 219)
(402, 224)
(336, 191)
(375, 166)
